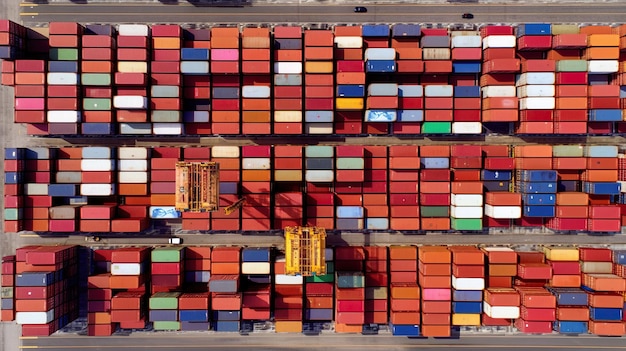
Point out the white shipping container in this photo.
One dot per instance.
(498, 249)
(167, 128)
(132, 177)
(530, 78)
(194, 67)
(319, 116)
(136, 128)
(349, 42)
(196, 116)
(466, 212)
(96, 165)
(255, 91)
(318, 128)
(34, 317)
(132, 153)
(499, 91)
(137, 30)
(287, 116)
(163, 212)
(467, 127)
(436, 53)
(506, 312)
(225, 151)
(126, 268)
(503, 212)
(36, 189)
(288, 67)
(283, 279)
(97, 189)
(380, 54)
(467, 199)
(59, 116)
(461, 33)
(130, 102)
(382, 89)
(132, 66)
(466, 41)
(62, 78)
(255, 268)
(439, 91)
(411, 90)
(536, 91)
(596, 267)
(499, 41)
(319, 176)
(255, 163)
(537, 103)
(603, 66)
(133, 165)
(468, 283)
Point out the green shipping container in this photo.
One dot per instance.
(97, 79)
(565, 29)
(166, 325)
(350, 163)
(94, 104)
(350, 280)
(167, 254)
(326, 278)
(63, 54)
(163, 116)
(376, 293)
(571, 66)
(12, 214)
(164, 301)
(435, 211)
(467, 223)
(319, 151)
(437, 128)
(567, 151)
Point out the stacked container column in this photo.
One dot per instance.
(466, 54)
(14, 165)
(349, 289)
(195, 68)
(435, 181)
(230, 171)
(375, 187)
(500, 204)
(7, 291)
(319, 299)
(166, 282)
(467, 189)
(319, 81)
(376, 285)
(501, 268)
(468, 282)
(99, 295)
(193, 311)
(30, 89)
(405, 39)
(226, 81)
(405, 303)
(602, 56)
(537, 305)
(436, 291)
(288, 299)
(288, 80)
(133, 170)
(600, 181)
(404, 187)
(256, 176)
(350, 81)
(225, 289)
(438, 101)
(350, 163)
(37, 200)
(257, 283)
(257, 81)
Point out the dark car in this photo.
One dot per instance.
(360, 9)
(467, 16)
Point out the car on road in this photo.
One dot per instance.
(175, 241)
(360, 9)
(467, 16)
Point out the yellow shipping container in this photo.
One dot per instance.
(465, 319)
(349, 103)
(561, 253)
(132, 67)
(318, 67)
(288, 175)
(288, 326)
(165, 43)
(565, 29)
(603, 40)
(287, 116)
(602, 53)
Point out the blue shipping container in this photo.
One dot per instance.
(467, 91)
(62, 190)
(163, 315)
(570, 297)
(375, 30)
(12, 153)
(226, 326)
(602, 188)
(194, 315)
(466, 67)
(377, 223)
(319, 314)
(496, 175)
(35, 279)
(318, 116)
(539, 211)
(37, 153)
(226, 315)
(619, 256)
(567, 185)
(384, 116)
(467, 295)
(605, 314)
(63, 66)
(435, 162)
(196, 116)
(410, 115)
(349, 223)
(194, 326)
(570, 327)
(260, 254)
(467, 307)
(539, 199)
(229, 188)
(97, 152)
(380, 66)
(97, 128)
(12, 177)
(350, 212)
(194, 54)
(605, 115)
(351, 90)
(406, 30)
(534, 29)
(538, 176)
(538, 187)
(405, 329)
(410, 91)
(197, 276)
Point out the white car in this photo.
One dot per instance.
(175, 241)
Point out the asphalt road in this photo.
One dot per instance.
(322, 13)
(298, 342)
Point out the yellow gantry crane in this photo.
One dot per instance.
(305, 251)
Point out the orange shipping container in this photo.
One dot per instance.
(402, 317)
(256, 104)
(224, 43)
(504, 115)
(572, 199)
(318, 53)
(409, 53)
(596, 30)
(320, 79)
(348, 54)
(434, 254)
(288, 55)
(502, 270)
(348, 31)
(572, 313)
(403, 253)
(598, 39)
(607, 328)
(602, 163)
(533, 151)
(318, 38)
(600, 175)
(436, 330)
(503, 199)
(435, 224)
(229, 32)
(564, 163)
(571, 90)
(439, 66)
(256, 54)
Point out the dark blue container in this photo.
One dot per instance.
(570, 327)
(38, 153)
(467, 91)
(622, 92)
(375, 30)
(538, 187)
(539, 211)
(320, 163)
(605, 314)
(197, 276)
(257, 254)
(13, 153)
(195, 326)
(227, 315)
(601, 188)
(467, 295)
(34, 279)
(100, 29)
(12, 178)
(353, 90)
(319, 314)
(406, 30)
(194, 315)
(229, 188)
(538, 176)
(570, 297)
(197, 104)
(62, 190)
(467, 307)
(194, 54)
(539, 199)
(97, 128)
(163, 315)
(226, 326)
(63, 66)
(567, 185)
(619, 256)
(259, 278)
(7, 52)
(605, 115)
(466, 67)
(533, 29)
(380, 66)
(496, 186)
(6, 304)
(405, 330)
(496, 175)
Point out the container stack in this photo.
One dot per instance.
(167, 269)
(602, 55)
(40, 308)
(376, 283)
(319, 91)
(350, 79)
(133, 171)
(537, 311)
(65, 218)
(319, 170)
(129, 269)
(99, 295)
(30, 90)
(257, 283)
(127, 309)
(565, 267)
(349, 177)
(288, 299)
(466, 208)
(380, 59)
(439, 96)
(600, 181)
(538, 195)
(162, 190)
(228, 158)
(225, 71)
(404, 187)
(404, 306)
(288, 88)
(12, 40)
(410, 104)
(435, 181)
(224, 286)
(194, 66)
(257, 82)
(256, 175)
(319, 301)
(349, 289)
(497, 81)
(7, 289)
(405, 39)
(466, 54)
(571, 205)
(572, 312)
(375, 199)
(197, 266)
(436, 290)
(288, 168)
(468, 283)
(14, 164)
(501, 268)
(37, 176)
(164, 310)
(193, 311)
(497, 175)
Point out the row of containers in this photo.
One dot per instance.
(70, 79)
(428, 291)
(429, 188)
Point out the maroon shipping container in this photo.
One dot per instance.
(97, 41)
(571, 78)
(166, 30)
(350, 66)
(124, 41)
(126, 78)
(595, 254)
(534, 42)
(99, 54)
(496, 30)
(62, 90)
(319, 289)
(30, 90)
(132, 54)
(66, 28)
(559, 267)
(30, 66)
